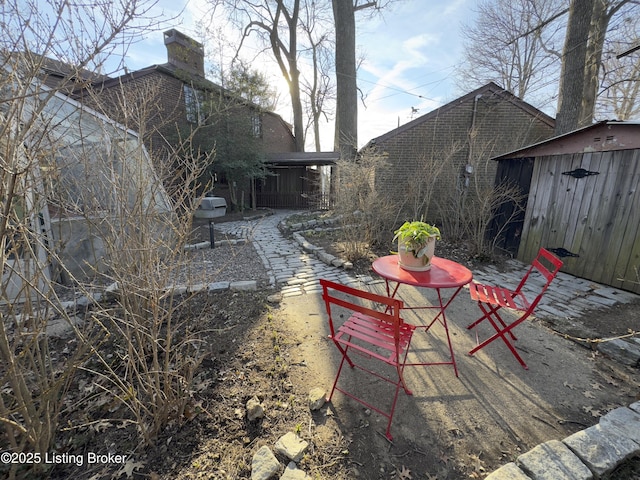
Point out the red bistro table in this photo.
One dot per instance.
(443, 274)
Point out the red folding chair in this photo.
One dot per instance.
(523, 300)
(376, 332)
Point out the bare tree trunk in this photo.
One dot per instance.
(572, 76)
(599, 25)
(582, 58)
(291, 61)
(346, 133)
(296, 103)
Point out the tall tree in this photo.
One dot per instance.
(513, 43)
(620, 73)
(582, 59)
(346, 132)
(250, 85)
(320, 87)
(346, 126)
(572, 79)
(276, 25)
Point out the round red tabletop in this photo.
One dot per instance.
(443, 273)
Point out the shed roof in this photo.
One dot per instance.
(301, 159)
(490, 88)
(603, 136)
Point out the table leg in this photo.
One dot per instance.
(441, 315)
(395, 290)
(443, 322)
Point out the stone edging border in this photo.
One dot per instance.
(585, 455)
(298, 230)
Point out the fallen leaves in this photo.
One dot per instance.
(403, 474)
(594, 412)
(129, 467)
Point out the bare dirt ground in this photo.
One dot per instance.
(465, 428)
(449, 429)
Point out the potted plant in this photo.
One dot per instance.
(416, 245)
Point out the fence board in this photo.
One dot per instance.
(591, 189)
(536, 212)
(625, 220)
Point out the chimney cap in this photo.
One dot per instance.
(184, 52)
(173, 35)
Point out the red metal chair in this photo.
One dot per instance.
(522, 300)
(375, 334)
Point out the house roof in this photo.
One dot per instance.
(178, 73)
(58, 69)
(603, 136)
(490, 88)
(302, 158)
(165, 68)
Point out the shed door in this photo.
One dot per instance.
(587, 208)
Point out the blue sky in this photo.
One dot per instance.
(410, 53)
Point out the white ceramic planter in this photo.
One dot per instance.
(408, 261)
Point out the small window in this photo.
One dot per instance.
(256, 123)
(193, 102)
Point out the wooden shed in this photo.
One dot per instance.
(583, 202)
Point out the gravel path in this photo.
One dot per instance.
(224, 263)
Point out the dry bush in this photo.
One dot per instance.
(367, 216)
(423, 182)
(34, 377)
(468, 209)
(156, 355)
(94, 176)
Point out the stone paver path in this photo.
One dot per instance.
(295, 272)
(290, 268)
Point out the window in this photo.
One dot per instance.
(193, 102)
(256, 123)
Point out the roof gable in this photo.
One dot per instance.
(490, 88)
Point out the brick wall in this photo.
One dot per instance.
(152, 102)
(426, 158)
(276, 134)
(161, 96)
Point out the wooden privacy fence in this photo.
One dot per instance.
(586, 207)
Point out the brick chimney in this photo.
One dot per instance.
(184, 52)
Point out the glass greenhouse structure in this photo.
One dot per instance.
(73, 183)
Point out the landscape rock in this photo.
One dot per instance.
(623, 350)
(325, 257)
(316, 398)
(255, 409)
(623, 420)
(553, 460)
(62, 328)
(601, 449)
(510, 471)
(292, 472)
(337, 262)
(291, 446)
(275, 298)
(264, 464)
(244, 285)
(219, 286)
